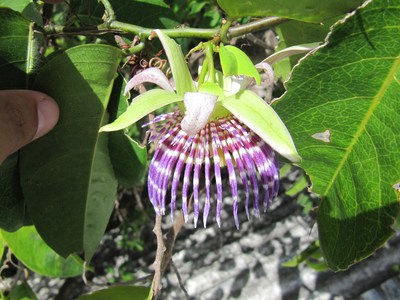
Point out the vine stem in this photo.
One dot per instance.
(113, 26)
(109, 11)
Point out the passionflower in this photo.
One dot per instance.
(218, 124)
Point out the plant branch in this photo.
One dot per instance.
(109, 11)
(254, 26)
(159, 256)
(181, 32)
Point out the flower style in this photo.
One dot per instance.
(219, 124)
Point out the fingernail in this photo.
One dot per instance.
(48, 113)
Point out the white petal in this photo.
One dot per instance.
(235, 84)
(199, 107)
(266, 67)
(152, 75)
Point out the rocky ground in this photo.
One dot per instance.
(226, 263)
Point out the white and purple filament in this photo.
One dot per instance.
(185, 161)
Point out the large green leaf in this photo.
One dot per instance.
(66, 176)
(18, 57)
(342, 108)
(27, 245)
(314, 11)
(12, 206)
(120, 293)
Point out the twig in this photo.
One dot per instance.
(254, 26)
(165, 248)
(159, 256)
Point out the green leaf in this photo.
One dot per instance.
(306, 10)
(342, 108)
(235, 62)
(66, 176)
(27, 245)
(302, 256)
(22, 292)
(180, 72)
(19, 50)
(19, 55)
(263, 120)
(26, 8)
(12, 206)
(128, 158)
(297, 187)
(141, 106)
(120, 293)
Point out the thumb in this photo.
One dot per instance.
(24, 116)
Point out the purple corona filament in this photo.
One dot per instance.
(224, 142)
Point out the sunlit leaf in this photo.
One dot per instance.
(235, 62)
(306, 10)
(141, 106)
(26, 7)
(27, 245)
(263, 120)
(66, 176)
(342, 109)
(120, 293)
(180, 72)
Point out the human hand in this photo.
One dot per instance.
(24, 116)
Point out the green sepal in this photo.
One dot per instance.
(180, 71)
(211, 88)
(235, 62)
(141, 106)
(263, 120)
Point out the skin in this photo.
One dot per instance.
(25, 116)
